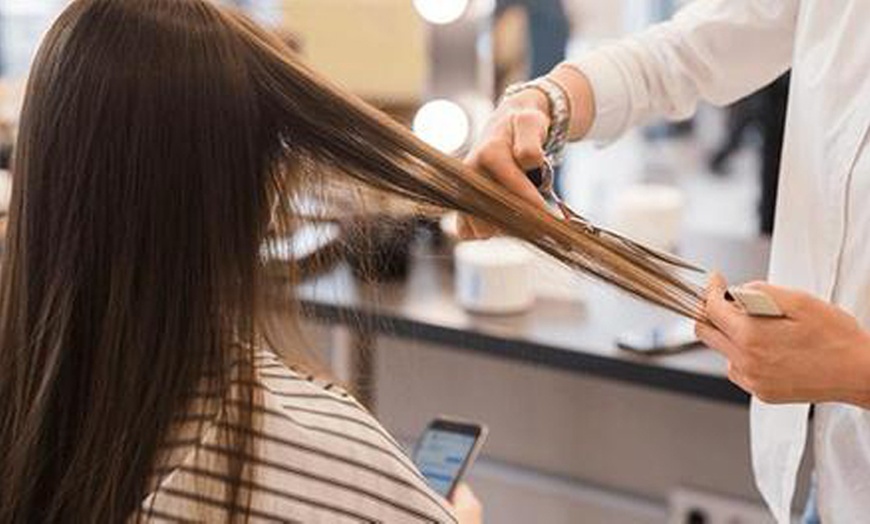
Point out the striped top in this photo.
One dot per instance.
(319, 457)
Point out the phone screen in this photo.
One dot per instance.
(443, 453)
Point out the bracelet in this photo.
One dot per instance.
(560, 114)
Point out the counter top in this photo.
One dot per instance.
(576, 336)
(571, 335)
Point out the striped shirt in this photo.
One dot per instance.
(319, 456)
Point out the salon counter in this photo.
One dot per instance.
(578, 336)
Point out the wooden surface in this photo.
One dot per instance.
(570, 335)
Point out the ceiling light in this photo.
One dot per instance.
(441, 11)
(444, 125)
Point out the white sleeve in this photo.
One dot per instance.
(713, 50)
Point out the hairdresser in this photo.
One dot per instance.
(719, 51)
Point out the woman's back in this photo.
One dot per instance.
(319, 457)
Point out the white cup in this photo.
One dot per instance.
(650, 213)
(494, 276)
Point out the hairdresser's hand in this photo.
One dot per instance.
(817, 353)
(512, 144)
(466, 506)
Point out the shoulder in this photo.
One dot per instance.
(319, 456)
(335, 444)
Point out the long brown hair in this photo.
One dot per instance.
(162, 142)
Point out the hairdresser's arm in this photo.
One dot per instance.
(713, 50)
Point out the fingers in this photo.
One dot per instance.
(469, 228)
(737, 377)
(716, 282)
(464, 227)
(722, 313)
(468, 508)
(463, 494)
(529, 130)
(497, 160)
(513, 146)
(715, 339)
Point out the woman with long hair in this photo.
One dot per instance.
(163, 143)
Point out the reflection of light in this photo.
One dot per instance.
(485, 8)
(441, 11)
(443, 124)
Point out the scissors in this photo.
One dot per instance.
(543, 179)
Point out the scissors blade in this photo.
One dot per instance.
(656, 253)
(543, 179)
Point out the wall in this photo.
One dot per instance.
(22, 25)
(376, 48)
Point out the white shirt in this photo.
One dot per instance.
(719, 51)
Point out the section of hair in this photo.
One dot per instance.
(335, 130)
(162, 142)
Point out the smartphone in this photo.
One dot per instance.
(446, 451)
(659, 340)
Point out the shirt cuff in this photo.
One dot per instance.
(611, 95)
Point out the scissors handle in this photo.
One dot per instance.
(543, 179)
(536, 177)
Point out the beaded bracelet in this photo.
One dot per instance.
(560, 114)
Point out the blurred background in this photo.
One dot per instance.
(581, 431)
(445, 61)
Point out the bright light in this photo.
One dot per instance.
(441, 11)
(443, 124)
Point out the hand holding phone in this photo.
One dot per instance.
(446, 451)
(465, 503)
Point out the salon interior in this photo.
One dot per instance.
(599, 408)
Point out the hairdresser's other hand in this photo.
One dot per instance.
(466, 506)
(817, 353)
(512, 144)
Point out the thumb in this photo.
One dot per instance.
(720, 312)
(468, 508)
(470, 228)
(463, 495)
(463, 499)
(716, 284)
(529, 134)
